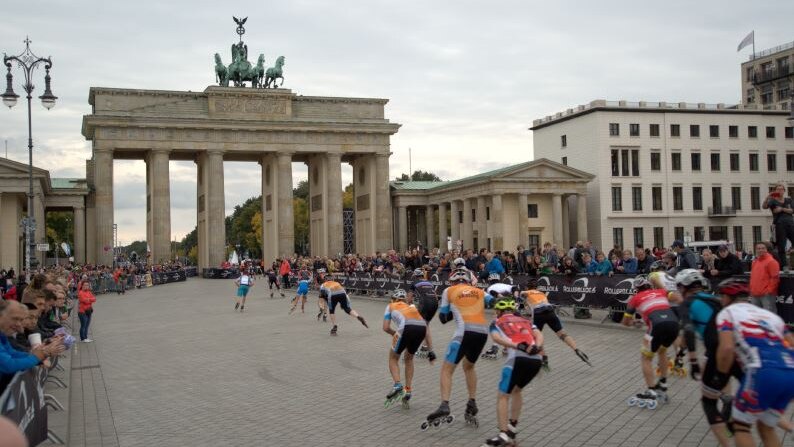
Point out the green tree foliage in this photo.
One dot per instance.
(301, 212)
(59, 228)
(302, 190)
(348, 196)
(240, 230)
(420, 176)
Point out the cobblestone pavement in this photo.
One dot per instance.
(176, 366)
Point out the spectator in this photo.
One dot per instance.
(11, 435)
(550, 254)
(707, 262)
(725, 264)
(684, 259)
(494, 265)
(590, 265)
(628, 264)
(11, 290)
(603, 267)
(782, 208)
(85, 311)
(764, 278)
(643, 261)
(568, 267)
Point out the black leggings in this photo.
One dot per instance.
(783, 231)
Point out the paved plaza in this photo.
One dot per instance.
(174, 365)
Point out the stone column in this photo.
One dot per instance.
(211, 209)
(286, 216)
(566, 224)
(10, 217)
(497, 232)
(334, 223)
(468, 226)
(581, 216)
(161, 206)
(103, 181)
(430, 223)
(556, 219)
(402, 228)
(382, 212)
(421, 227)
(482, 223)
(522, 220)
(454, 222)
(79, 250)
(442, 227)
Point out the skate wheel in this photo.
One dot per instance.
(641, 403)
(632, 401)
(424, 426)
(651, 405)
(436, 422)
(449, 419)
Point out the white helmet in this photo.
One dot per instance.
(398, 294)
(459, 275)
(494, 277)
(689, 277)
(459, 262)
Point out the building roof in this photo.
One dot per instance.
(406, 185)
(68, 183)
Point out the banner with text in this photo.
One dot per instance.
(23, 403)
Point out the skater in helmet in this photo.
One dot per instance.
(423, 295)
(662, 331)
(497, 290)
(660, 279)
(243, 283)
(303, 290)
(465, 304)
(406, 338)
(524, 342)
(542, 314)
(762, 344)
(334, 294)
(322, 303)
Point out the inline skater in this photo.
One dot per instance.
(523, 342)
(465, 304)
(322, 303)
(542, 313)
(660, 279)
(423, 295)
(301, 293)
(411, 330)
(762, 344)
(497, 289)
(699, 307)
(243, 283)
(272, 279)
(334, 294)
(662, 331)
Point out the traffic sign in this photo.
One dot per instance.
(42, 247)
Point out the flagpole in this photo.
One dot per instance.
(753, 44)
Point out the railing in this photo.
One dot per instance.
(773, 50)
(761, 77)
(721, 211)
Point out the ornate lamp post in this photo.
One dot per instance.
(28, 62)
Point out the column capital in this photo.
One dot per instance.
(333, 155)
(78, 207)
(215, 152)
(160, 150)
(103, 151)
(284, 154)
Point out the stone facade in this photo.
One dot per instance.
(272, 127)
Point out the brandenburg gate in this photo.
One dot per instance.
(271, 126)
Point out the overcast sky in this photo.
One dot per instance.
(465, 79)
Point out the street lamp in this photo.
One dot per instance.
(28, 62)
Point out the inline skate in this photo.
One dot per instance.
(502, 439)
(422, 352)
(583, 356)
(406, 399)
(397, 393)
(471, 413)
(647, 399)
(438, 417)
(491, 353)
(333, 330)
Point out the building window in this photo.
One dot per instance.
(678, 198)
(736, 197)
(716, 198)
(766, 94)
(656, 161)
(635, 162)
(639, 241)
(474, 214)
(757, 237)
(617, 198)
(694, 131)
(534, 240)
(654, 130)
(752, 132)
(789, 132)
(755, 197)
(675, 161)
(615, 162)
(734, 160)
(564, 140)
(733, 131)
(696, 161)
(678, 233)
(636, 198)
(617, 236)
(487, 213)
(715, 161)
(532, 210)
(656, 198)
(658, 236)
(700, 234)
(790, 162)
(614, 129)
(770, 131)
(460, 216)
(754, 162)
(565, 161)
(750, 94)
(634, 130)
(624, 162)
(697, 198)
(771, 161)
(718, 233)
(675, 130)
(714, 131)
(738, 238)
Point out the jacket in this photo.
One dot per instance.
(764, 276)
(495, 266)
(87, 300)
(729, 266)
(630, 266)
(603, 267)
(13, 361)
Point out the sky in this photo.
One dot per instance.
(465, 79)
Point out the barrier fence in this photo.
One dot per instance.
(23, 403)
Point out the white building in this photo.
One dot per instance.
(668, 171)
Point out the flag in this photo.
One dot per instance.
(748, 40)
(66, 249)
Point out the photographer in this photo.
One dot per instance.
(782, 219)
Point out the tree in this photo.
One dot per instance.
(59, 228)
(420, 176)
(301, 225)
(302, 190)
(256, 225)
(348, 197)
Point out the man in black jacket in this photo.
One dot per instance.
(685, 259)
(643, 261)
(725, 265)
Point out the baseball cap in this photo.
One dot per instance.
(722, 247)
(678, 243)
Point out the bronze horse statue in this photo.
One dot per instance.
(274, 73)
(221, 72)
